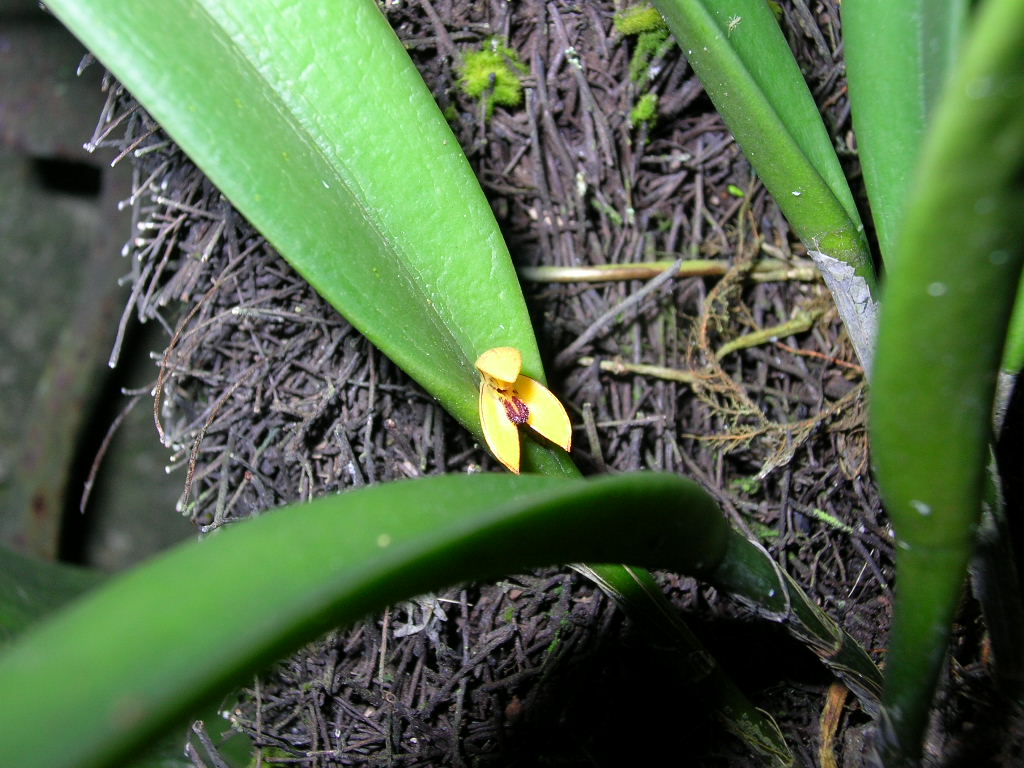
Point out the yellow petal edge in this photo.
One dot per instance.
(547, 414)
(501, 365)
(502, 435)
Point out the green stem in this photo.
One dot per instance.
(801, 321)
(750, 74)
(765, 270)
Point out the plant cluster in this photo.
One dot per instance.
(385, 219)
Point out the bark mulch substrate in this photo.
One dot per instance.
(268, 396)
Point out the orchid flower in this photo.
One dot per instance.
(509, 399)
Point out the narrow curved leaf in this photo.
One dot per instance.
(898, 56)
(943, 327)
(127, 658)
(1013, 355)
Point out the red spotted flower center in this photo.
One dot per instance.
(516, 409)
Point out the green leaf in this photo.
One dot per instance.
(147, 647)
(898, 56)
(1013, 355)
(30, 589)
(318, 128)
(944, 322)
(154, 643)
(752, 576)
(747, 69)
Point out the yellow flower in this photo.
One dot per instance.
(508, 399)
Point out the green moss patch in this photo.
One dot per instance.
(494, 75)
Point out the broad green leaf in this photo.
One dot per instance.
(944, 322)
(317, 126)
(748, 70)
(30, 589)
(152, 644)
(149, 645)
(898, 55)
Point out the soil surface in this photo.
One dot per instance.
(269, 396)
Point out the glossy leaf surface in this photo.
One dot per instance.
(318, 128)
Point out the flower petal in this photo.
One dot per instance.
(547, 414)
(501, 434)
(500, 365)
